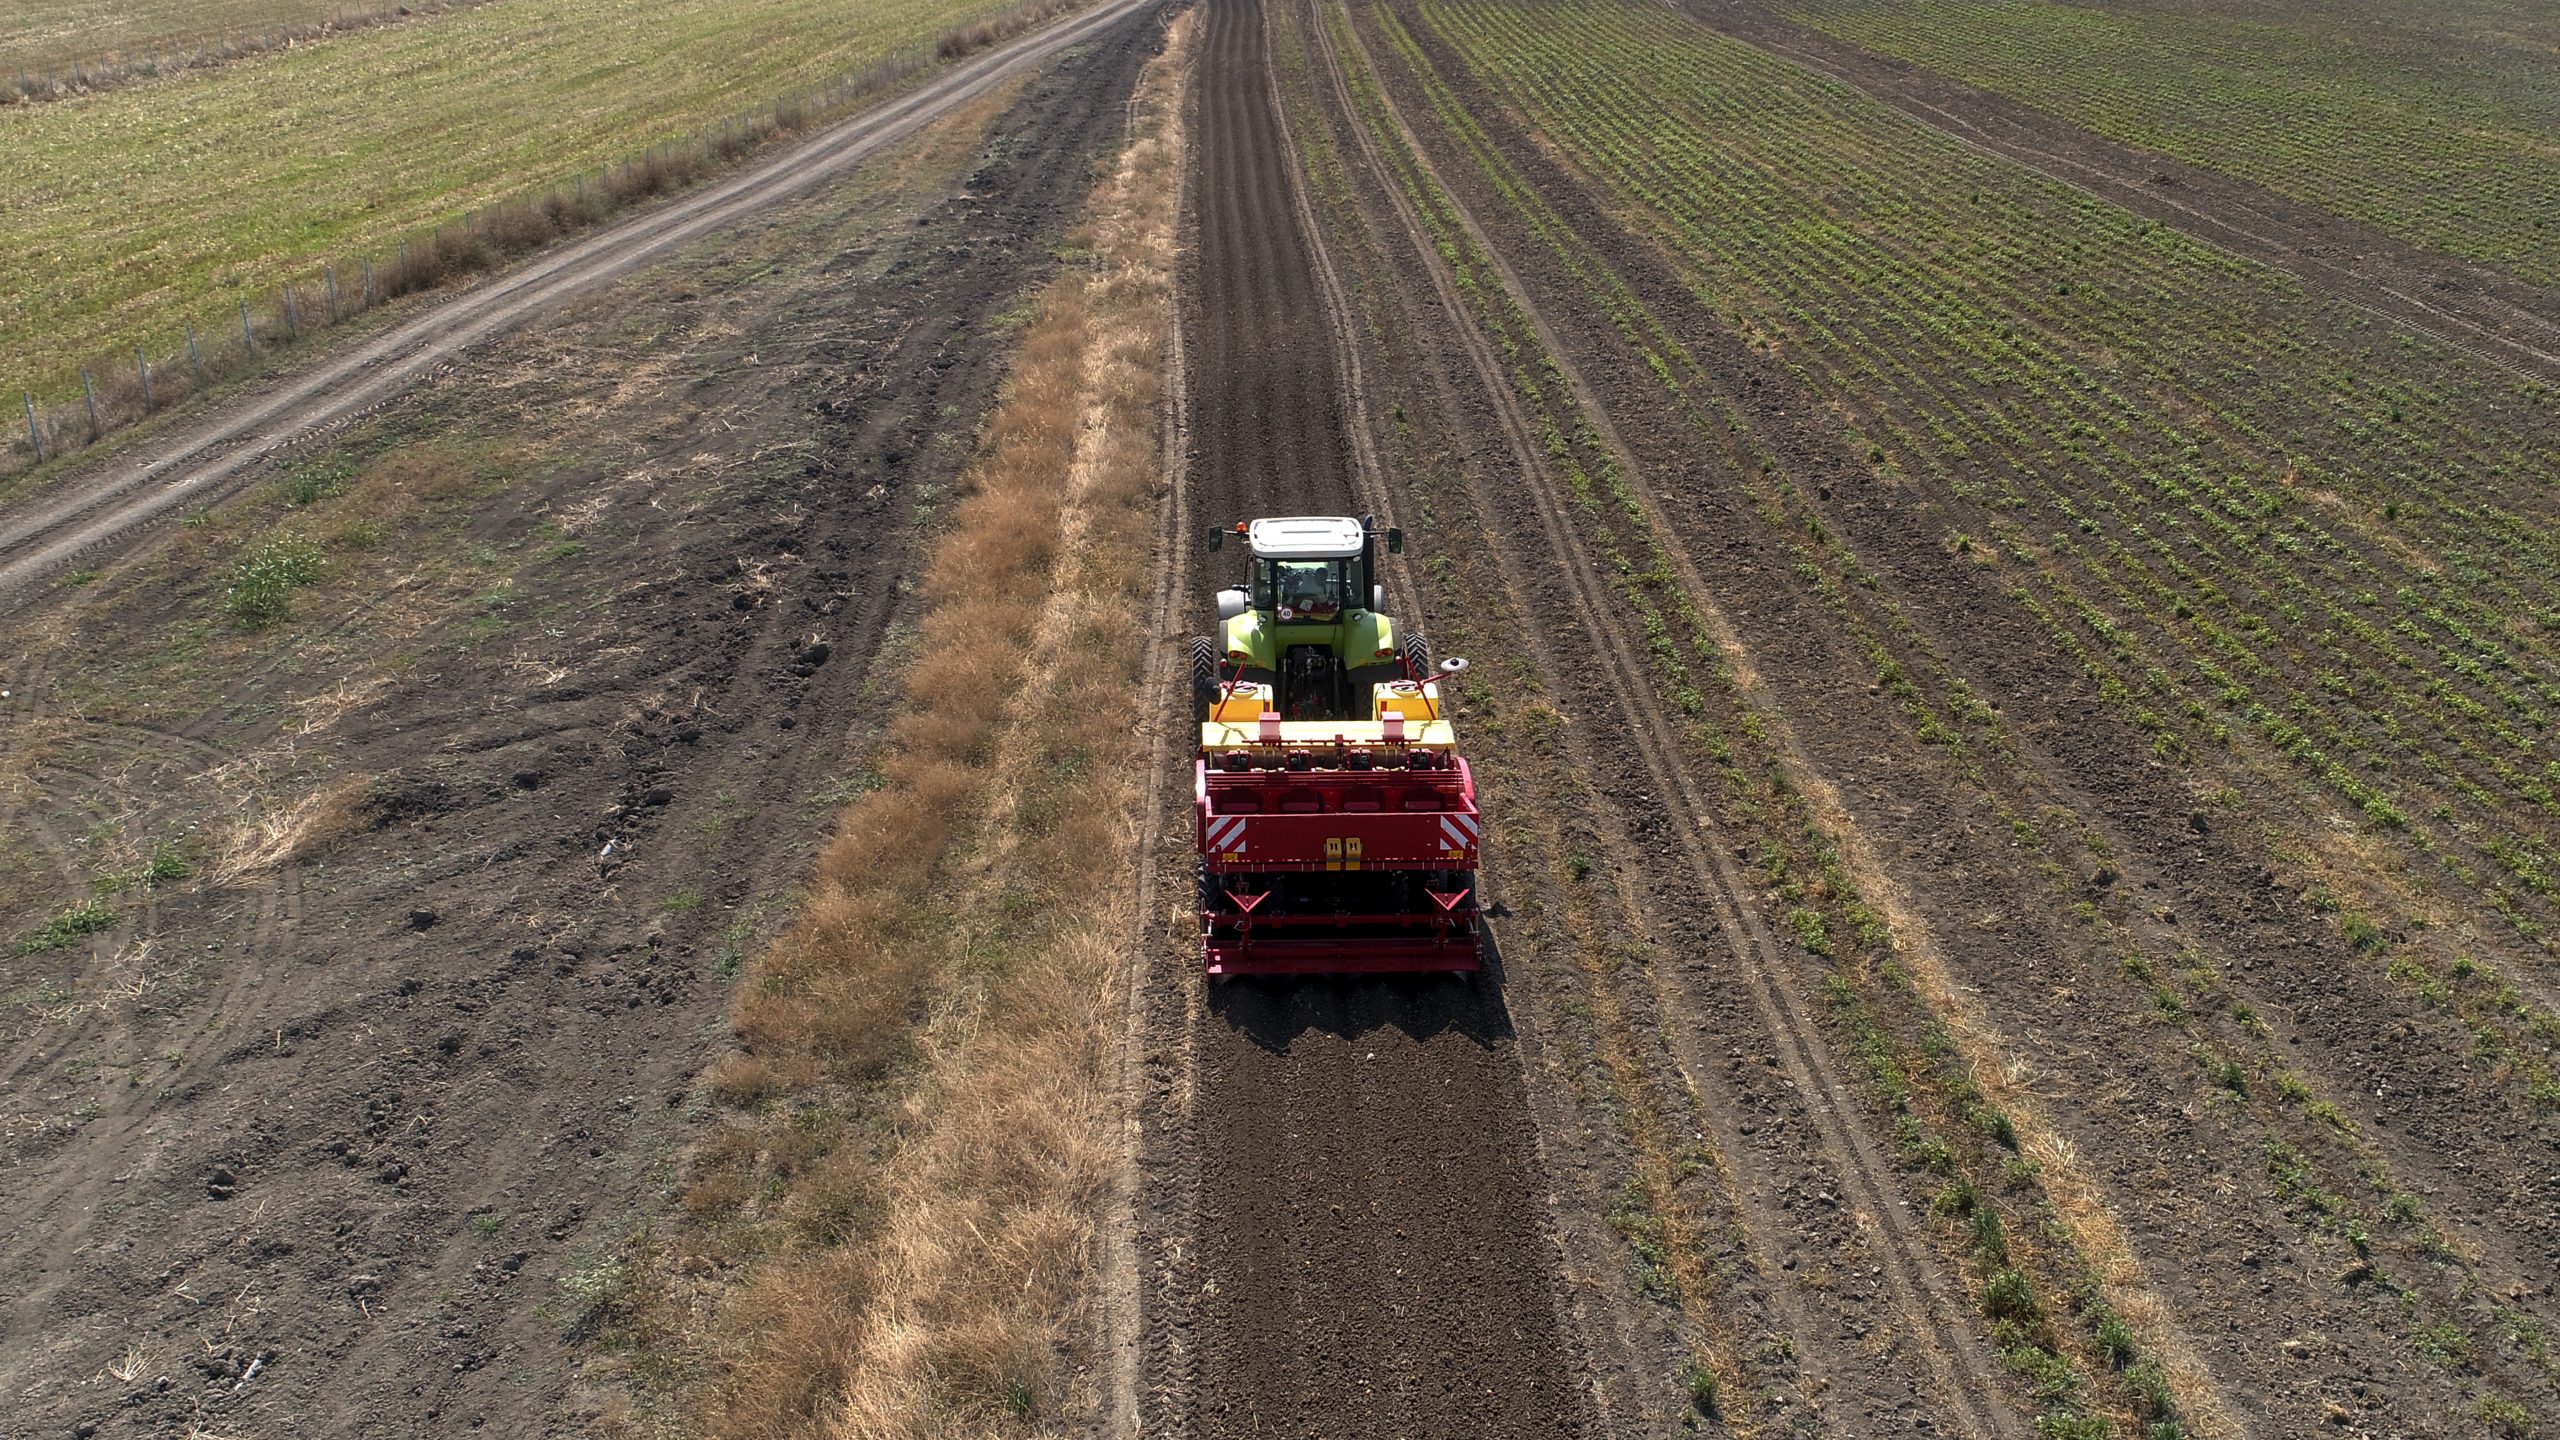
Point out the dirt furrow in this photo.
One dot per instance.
(2127, 1286)
(2117, 1085)
(1967, 1382)
(1353, 1183)
(1154, 1083)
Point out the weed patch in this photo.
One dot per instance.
(263, 582)
(70, 926)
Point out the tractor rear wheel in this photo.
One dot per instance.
(1204, 677)
(1417, 655)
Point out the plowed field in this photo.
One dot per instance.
(2012, 723)
(2011, 690)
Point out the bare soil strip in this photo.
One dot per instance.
(195, 462)
(1344, 1237)
(2476, 308)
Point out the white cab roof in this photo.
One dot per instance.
(1307, 537)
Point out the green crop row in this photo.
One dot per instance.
(2147, 431)
(1840, 576)
(2193, 598)
(1942, 1124)
(2434, 122)
(1948, 714)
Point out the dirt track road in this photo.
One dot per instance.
(195, 462)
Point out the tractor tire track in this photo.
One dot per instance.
(200, 460)
(1968, 1382)
(1154, 1083)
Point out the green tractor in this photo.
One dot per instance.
(1307, 621)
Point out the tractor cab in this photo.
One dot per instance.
(1307, 620)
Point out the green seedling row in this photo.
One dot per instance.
(1915, 293)
(2433, 122)
(1822, 911)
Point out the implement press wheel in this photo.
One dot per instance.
(1204, 677)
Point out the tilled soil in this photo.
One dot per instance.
(1829, 1257)
(1345, 1234)
(1827, 1286)
(2248, 1280)
(351, 1145)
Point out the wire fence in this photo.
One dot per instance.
(112, 392)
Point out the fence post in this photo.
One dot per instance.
(368, 282)
(35, 435)
(142, 363)
(89, 389)
(248, 336)
(195, 357)
(292, 321)
(333, 290)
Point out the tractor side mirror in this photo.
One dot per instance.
(1217, 537)
(1395, 541)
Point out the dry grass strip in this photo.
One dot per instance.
(891, 1233)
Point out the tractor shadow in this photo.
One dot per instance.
(1275, 1011)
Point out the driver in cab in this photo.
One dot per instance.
(1306, 594)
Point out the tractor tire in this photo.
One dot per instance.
(1417, 655)
(1204, 677)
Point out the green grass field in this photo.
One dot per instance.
(2438, 122)
(130, 213)
(38, 36)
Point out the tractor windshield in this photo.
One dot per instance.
(1306, 589)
